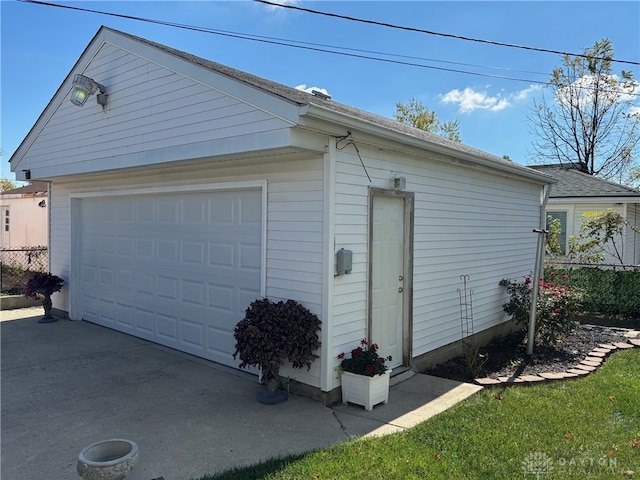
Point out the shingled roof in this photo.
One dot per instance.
(34, 188)
(573, 183)
(303, 98)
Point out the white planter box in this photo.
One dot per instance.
(364, 390)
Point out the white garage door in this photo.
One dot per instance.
(178, 269)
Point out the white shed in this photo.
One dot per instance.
(198, 188)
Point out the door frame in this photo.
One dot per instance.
(407, 299)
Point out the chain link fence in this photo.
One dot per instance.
(609, 289)
(18, 264)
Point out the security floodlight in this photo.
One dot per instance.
(83, 88)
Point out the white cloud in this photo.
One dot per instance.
(582, 90)
(304, 88)
(280, 2)
(469, 99)
(527, 92)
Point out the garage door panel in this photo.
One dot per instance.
(218, 340)
(250, 257)
(144, 322)
(125, 316)
(192, 292)
(192, 333)
(221, 254)
(167, 328)
(221, 298)
(178, 269)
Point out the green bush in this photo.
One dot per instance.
(611, 292)
(556, 304)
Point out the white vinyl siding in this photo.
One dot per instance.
(468, 221)
(138, 127)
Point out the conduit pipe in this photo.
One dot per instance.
(538, 269)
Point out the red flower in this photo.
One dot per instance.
(553, 274)
(364, 360)
(527, 280)
(558, 310)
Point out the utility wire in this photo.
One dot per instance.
(269, 40)
(261, 37)
(429, 32)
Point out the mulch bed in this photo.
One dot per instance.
(508, 357)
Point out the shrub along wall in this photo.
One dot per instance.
(613, 292)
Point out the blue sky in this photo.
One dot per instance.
(40, 45)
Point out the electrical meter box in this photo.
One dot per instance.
(343, 261)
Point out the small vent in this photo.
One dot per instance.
(318, 93)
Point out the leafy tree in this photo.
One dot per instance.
(552, 240)
(633, 179)
(590, 123)
(416, 114)
(601, 233)
(6, 184)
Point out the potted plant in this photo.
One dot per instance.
(272, 332)
(43, 285)
(364, 376)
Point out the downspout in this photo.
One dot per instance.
(538, 268)
(327, 357)
(49, 226)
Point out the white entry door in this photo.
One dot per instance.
(387, 277)
(178, 269)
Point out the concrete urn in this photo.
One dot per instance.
(111, 459)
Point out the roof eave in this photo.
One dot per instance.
(516, 170)
(595, 199)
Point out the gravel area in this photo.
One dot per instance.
(509, 356)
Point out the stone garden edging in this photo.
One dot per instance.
(590, 363)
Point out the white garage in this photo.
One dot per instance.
(197, 188)
(178, 269)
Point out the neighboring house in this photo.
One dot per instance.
(577, 193)
(198, 188)
(24, 216)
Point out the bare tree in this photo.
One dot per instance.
(590, 123)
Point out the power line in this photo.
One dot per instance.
(300, 45)
(261, 37)
(429, 32)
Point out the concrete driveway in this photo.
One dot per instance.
(68, 384)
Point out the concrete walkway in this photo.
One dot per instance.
(68, 384)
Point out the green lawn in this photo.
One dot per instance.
(577, 429)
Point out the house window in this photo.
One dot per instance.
(6, 220)
(562, 236)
